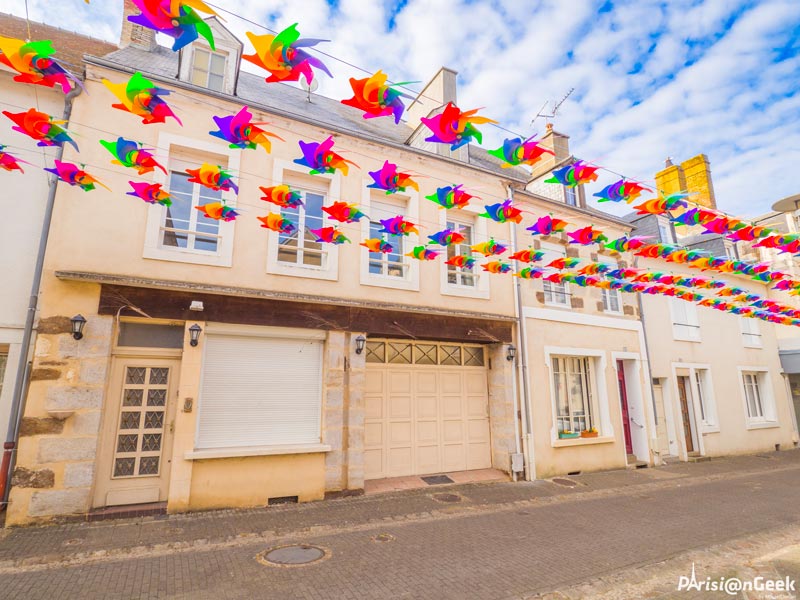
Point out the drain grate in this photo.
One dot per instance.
(449, 498)
(437, 479)
(564, 482)
(293, 555)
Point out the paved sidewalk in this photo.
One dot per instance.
(502, 540)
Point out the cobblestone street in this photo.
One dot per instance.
(617, 534)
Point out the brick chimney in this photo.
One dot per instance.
(135, 35)
(692, 175)
(558, 143)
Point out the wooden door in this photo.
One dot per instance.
(623, 398)
(134, 462)
(687, 423)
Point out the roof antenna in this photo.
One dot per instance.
(310, 88)
(549, 116)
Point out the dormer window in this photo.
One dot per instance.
(208, 69)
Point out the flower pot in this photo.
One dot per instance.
(568, 436)
(589, 434)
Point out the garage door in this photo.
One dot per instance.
(427, 409)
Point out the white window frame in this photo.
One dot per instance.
(301, 224)
(410, 198)
(687, 330)
(327, 184)
(550, 288)
(211, 53)
(768, 417)
(586, 401)
(751, 334)
(156, 213)
(703, 395)
(571, 193)
(665, 230)
(607, 294)
(480, 233)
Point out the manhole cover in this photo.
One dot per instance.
(447, 497)
(294, 555)
(565, 482)
(383, 537)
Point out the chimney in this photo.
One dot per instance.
(559, 144)
(430, 101)
(135, 35)
(671, 179)
(697, 173)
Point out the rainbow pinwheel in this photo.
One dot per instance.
(502, 212)
(749, 233)
(461, 261)
(377, 245)
(626, 244)
(74, 175)
(658, 206)
(343, 212)
(530, 273)
(497, 266)
(446, 237)
(694, 216)
(515, 152)
(451, 196)
(329, 235)
(240, 131)
(454, 127)
(547, 225)
(578, 173)
(283, 55)
(129, 154)
(722, 225)
(218, 211)
(213, 177)
(621, 191)
(176, 18)
(276, 222)
(528, 256)
(376, 98)
(586, 235)
(320, 158)
(490, 248)
(388, 179)
(282, 195)
(41, 127)
(398, 226)
(9, 162)
(34, 63)
(422, 253)
(563, 262)
(595, 268)
(150, 193)
(139, 96)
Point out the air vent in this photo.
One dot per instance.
(282, 500)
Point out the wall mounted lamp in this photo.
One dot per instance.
(361, 341)
(511, 352)
(78, 321)
(194, 334)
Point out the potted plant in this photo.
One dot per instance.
(567, 434)
(589, 433)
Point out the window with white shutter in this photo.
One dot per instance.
(685, 325)
(751, 336)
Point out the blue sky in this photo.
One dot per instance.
(652, 78)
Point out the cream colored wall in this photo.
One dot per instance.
(721, 347)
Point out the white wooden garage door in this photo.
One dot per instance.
(427, 409)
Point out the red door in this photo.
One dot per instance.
(687, 424)
(623, 398)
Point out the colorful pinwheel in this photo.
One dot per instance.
(276, 222)
(150, 193)
(502, 212)
(329, 235)
(282, 195)
(319, 157)
(377, 245)
(388, 179)
(213, 177)
(586, 235)
(626, 244)
(530, 273)
(398, 226)
(547, 225)
(34, 63)
(74, 175)
(621, 191)
(451, 196)
(139, 96)
(574, 175)
(129, 154)
(218, 211)
(240, 131)
(9, 162)
(497, 266)
(490, 248)
(343, 212)
(515, 152)
(446, 237)
(528, 256)
(41, 127)
(461, 261)
(377, 99)
(422, 253)
(563, 262)
(454, 127)
(176, 18)
(283, 55)
(658, 206)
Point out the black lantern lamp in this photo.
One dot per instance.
(194, 334)
(511, 352)
(78, 321)
(360, 343)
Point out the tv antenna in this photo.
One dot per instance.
(309, 88)
(549, 116)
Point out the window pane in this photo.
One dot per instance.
(201, 59)
(149, 336)
(215, 82)
(217, 65)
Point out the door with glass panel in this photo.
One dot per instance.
(134, 461)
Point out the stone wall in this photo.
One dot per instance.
(502, 419)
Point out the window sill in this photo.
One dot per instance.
(679, 338)
(554, 305)
(188, 256)
(754, 346)
(304, 271)
(710, 429)
(762, 425)
(399, 283)
(201, 454)
(566, 443)
(465, 292)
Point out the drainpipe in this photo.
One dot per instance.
(522, 368)
(21, 382)
(655, 451)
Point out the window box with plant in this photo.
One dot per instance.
(568, 435)
(589, 433)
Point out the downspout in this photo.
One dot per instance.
(20, 384)
(521, 413)
(655, 451)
